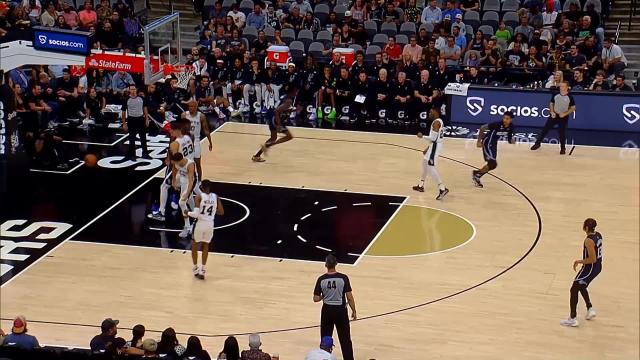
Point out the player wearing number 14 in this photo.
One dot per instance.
(208, 205)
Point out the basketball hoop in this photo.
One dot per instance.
(182, 72)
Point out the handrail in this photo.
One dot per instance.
(618, 31)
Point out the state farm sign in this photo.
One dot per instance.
(112, 62)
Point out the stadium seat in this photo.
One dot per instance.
(511, 5)
(288, 35)
(356, 47)
(296, 49)
(372, 50)
(270, 33)
(472, 18)
(371, 27)
(340, 10)
(316, 49)
(321, 11)
(226, 4)
(491, 18)
(429, 27)
(511, 19)
(306, 36)
(250, 33)
(402, 39)
(408, 28)
(390, 29)
(567, 3)
(246, 6)
(597, 5)
(324, 37)
(380, 40)
(491, 5)
(487, 31)
(400, 12)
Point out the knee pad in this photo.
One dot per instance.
(492, 164)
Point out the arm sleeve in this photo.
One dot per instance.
(124, 105)
(317, 290)
(572, 102)
(347, 284)
(553, 99)
(510, 134)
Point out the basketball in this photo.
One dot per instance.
(90, 160)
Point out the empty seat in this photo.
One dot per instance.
(270, 33)
(597, 5)
(296, 49)
(511, 19)
(491, 5)
(340, 10)
(250, 33)
(356, 47)
(511, 5)
(429, 27)
(321, 11)
(324, 37)
(380, 40)
(402, 39)
(246, 6)
(491, 18)
(316, 49)
(306, 36)
(408, 28)
(472, 18)
(568, 3)
(372, 50)
(486, 30)
(390, 29)
(288, 35)
(371, 27)
(470, 30)
(226, 4)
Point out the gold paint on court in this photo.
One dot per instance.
(418, 230)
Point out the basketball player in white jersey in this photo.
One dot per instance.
(435, 142)
(198, 125)
(184, 179)
(208, 205)
(180, 143)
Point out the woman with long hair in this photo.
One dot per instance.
(194, 350)
(359, 11)
(522, 40)
(231, 350)
(554, 80)
(169, 344)
(478, 43)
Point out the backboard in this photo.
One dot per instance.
(161, 41)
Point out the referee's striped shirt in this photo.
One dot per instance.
(332, 288)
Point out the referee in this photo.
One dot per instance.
(135, 120)
(562, 105)
(332, 288)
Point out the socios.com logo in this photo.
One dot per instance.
(475, 105)
(42, 39)
(631, 113)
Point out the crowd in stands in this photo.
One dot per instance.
(108, 345)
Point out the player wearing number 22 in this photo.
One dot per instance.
(208, 205)
(591, 266)
(334, 290)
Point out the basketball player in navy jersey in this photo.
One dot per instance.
(591, 267)
(488, 140)
(276, 125)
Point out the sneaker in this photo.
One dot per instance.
(535, 146)
(174, 202)
(257, 159)
(563, 151)
(184, 233)
(590, 314)
(332, 114)
(418, 188)
(476, 179)
(263, 109)
(195, 270)
(319, 114)
(201, 273)
(442, 194)
(569, 322)
(156, 216)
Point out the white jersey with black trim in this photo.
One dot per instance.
(183, 171)
(186, 147)
(208, 207)
(196, 125)
(437, 136)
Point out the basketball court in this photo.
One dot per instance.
(481, 274)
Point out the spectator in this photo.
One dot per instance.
(132, 26)
(194, 350)
(599, 82)
(554, 80)
(524, 28)
(293, 20)
(574, 14)
(503, 34)
(359, 11)
(150, 348)
(277, 38)
(70, 16)
(67, 95)
(2, 334)
(120, 7)
(48, 18)
(430, 50)
(20, 20)
(537, 42)
(377, 10)
(475, 77)
(19, 336)
(440, 40)
(574, 59)
(238, 16)
(120, 82)
(549, 17)
(431, 14)
(345, 36)
(521, 40)
(413, 49)
(472, 60)
(391, 15)
(411, 13)
(451, 10)
(324, 352)
(556, 60)
(254, 352)
(333, 23)
(515, 57)
(466, 5)
(423, 38)
(109, 329)
(567, 31)
(218, 14)
(169, 344)
(536, 19)
(393, 49)
(461, 26)
(103, 10)
(451, 53)
(256, 18)
(534, 60)
(348, 20)
(460, 40)
(88, 17)
(620, 84)
(594, 16)
(445, 27)
(303, 6)
(33, 9)
(231, 350)
(588, 49)
(108, 37)
(260, 45)
(409, 67)
(613, 59)
(41, 113)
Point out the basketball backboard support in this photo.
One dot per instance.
(162, 40)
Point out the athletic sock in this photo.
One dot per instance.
(441, 187)
(187, 223)
(421, 183)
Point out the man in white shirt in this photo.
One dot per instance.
(613, 59)
(238, 16)
(324, 352)
(549, 17)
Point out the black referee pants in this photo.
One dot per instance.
(137, 127)
(335, 315)
(561, 123)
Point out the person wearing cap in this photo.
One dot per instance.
(19, 336)
(254, 352)
(458, 22)
(334, 290)
(324, 352)
(109, 329)
(451, 10)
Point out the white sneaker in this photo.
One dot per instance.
(590, 314)
(201, 273)
(195, 270)
(573, 322)
(184, 233)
